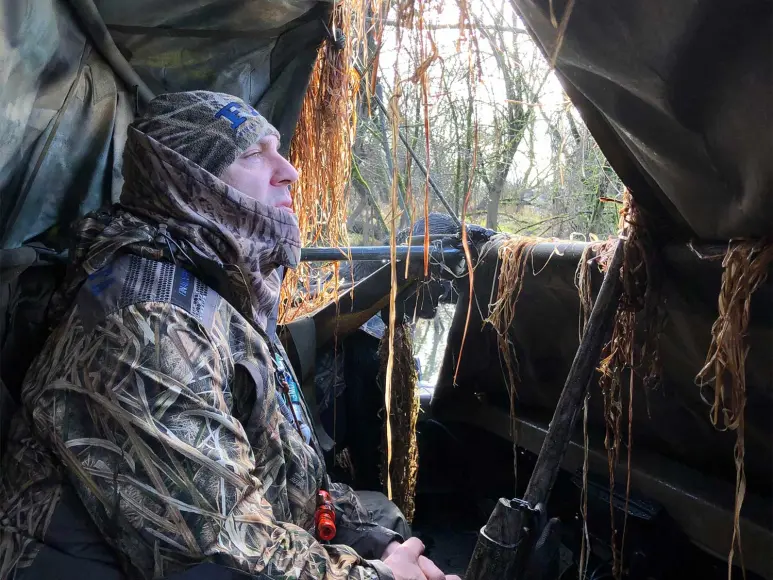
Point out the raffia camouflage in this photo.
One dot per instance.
(154, 398)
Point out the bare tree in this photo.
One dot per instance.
(513, 117)
(539, 171)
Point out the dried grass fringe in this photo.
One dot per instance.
(410, 14)
(405, 13)
(513, 257)
(745, 268)
(321, 147)
(622, 356)
(404, 412)
(593, 253)
(321, 151)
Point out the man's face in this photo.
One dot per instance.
(263, 174)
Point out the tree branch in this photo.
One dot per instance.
(492, 27)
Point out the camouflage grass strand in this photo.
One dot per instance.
(745, 268)
(404, 412)
(321, 151)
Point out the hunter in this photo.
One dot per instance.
(161, 427)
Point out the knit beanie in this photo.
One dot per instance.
(210, 129)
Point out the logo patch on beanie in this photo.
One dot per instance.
(236, 113)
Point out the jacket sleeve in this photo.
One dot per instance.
(367, 521)
(143, 424)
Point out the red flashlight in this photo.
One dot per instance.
(325, 517)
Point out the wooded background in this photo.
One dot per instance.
(499, 127)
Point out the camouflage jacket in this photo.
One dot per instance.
(156, 400)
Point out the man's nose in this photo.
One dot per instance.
(284, 172)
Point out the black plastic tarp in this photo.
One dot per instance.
(679, 95)
(65, 112)
(671, 419)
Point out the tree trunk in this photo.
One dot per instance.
(458, 187)
(351, 219)
(388, 154)
(469, 141)
(597, 203)
(367, 229)
(495, 196)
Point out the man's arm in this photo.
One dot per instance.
(367, 521)
(143, 424)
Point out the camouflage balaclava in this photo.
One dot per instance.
(174, 206)
(173, 160)
(210, 129)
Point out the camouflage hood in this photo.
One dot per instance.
(172, 209)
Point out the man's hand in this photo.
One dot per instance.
(432, 572)
(407, 563)
(390, 550)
